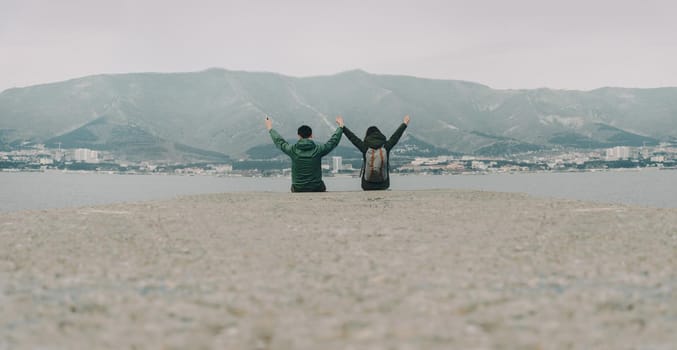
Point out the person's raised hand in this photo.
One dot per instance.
(339, 121)
(269, 123)
(406, 119)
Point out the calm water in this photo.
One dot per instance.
(19, 191)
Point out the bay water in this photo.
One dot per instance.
(54, 189)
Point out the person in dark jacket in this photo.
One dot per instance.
(374, 141)
(306, 156)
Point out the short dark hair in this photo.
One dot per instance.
(305, 131)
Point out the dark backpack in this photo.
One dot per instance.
(375, 165)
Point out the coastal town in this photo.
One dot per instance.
(37, 157)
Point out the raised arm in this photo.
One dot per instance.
(279, 142)
(397, 134)
(354, 139)
(333, 140)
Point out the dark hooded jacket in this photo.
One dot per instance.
(375, 139)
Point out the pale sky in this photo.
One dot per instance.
(567, 44)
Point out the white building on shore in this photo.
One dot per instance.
(336, 164)
(85, 155)
(617, 153)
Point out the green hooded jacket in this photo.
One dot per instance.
(306, 160)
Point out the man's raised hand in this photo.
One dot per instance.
(269, 123)
(406, 119)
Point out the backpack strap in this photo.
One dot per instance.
(371, 164)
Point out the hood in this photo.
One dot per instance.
(375, 140)
(305, 145)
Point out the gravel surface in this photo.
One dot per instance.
(340, 270)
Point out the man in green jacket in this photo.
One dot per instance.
(306, 156)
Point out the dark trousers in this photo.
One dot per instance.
(319, 188)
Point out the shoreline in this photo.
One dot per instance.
(431, 269)
(421, 173)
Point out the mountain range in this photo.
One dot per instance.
(217, 114)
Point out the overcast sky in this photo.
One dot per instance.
(570, 44)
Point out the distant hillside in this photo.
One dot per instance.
(218, 113)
